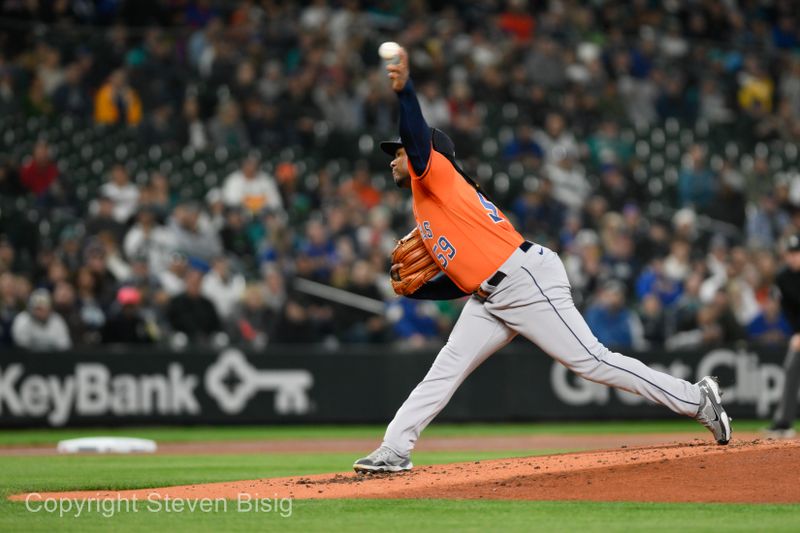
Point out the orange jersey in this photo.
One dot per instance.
(464, 232)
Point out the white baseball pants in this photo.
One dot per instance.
(534, 300)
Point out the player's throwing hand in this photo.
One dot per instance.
(398, 72)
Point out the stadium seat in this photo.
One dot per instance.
(657, 137)
(489, 148)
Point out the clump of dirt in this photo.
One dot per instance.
(752, 471)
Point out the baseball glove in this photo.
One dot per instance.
(412, 265)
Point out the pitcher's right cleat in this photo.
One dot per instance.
(382, 460)
(711, 413)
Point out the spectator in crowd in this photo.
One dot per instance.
(434, 106)
(537, 211)
(274, 287)
(612, 323)
(252, 188)
(677, 264)
(338, 106)
(96, 261)
(227, 129)
(317, 254)
(253, 321)
(103, 219)
(116, 102)
(192, 314)
(172, 279)
(295, 324)
(555, 139)
(143, 279)
(123, 193)
(707, 332)
(359, 186)
(523, 145)
(223, 288)
(91, 311)
(696, 183)
(191, 131)
(65, 303)
(770, 327)
(147, 239)
(9, 98)
(414, 322)
(10, 305)
(568, 178)
(159, 128)
(188, 233)
(125, 324)
(653, 320)
(50, 70)
(756, 88)
(357, 325)
(72, 97)
(39, 174)
(156, 195)
(729, 204)
(9, 259)
(374, 234)
(39, 328)
(36, 101)
(607, 147)
(233, 234)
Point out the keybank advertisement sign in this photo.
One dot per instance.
(352, 385)
(177, 389)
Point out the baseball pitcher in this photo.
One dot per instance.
(516, 287)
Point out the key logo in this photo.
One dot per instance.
(290, 386)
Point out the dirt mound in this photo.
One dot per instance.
(745, 471)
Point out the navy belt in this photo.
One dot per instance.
(498, 276)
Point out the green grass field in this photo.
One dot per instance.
(45, 473)
(22, 437)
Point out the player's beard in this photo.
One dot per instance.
(402, 182)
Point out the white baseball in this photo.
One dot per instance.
(389, 51)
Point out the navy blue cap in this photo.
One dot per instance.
(390, 147)
(442, 143)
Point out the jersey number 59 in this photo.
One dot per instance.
(444, 251)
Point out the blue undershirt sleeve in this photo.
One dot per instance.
(414, 131)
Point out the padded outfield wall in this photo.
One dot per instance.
(353, 384)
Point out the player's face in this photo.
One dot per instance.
(400, 169)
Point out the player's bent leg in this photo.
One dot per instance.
(576, 347)
(548, 317)
(476, 336)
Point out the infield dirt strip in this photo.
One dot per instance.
(745, 471)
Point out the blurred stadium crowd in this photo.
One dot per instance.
(171, 168)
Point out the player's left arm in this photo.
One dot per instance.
(440, 287)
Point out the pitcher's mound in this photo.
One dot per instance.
(751, 471)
